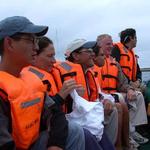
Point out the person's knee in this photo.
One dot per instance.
(125, 109)
(75, 130)
(75, 133)
(140, 99)
(118, 108)
(75, 139)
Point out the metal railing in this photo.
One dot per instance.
(145, 74)
(145, 69)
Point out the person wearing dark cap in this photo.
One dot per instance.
(29, 119)
(124, 54)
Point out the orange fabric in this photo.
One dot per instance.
(109, 76)
(45, 76)
(93, 84)
(53, 90)
(26, 102)
(66, 70)
(97, 71)
(55, 72)
(128, 62)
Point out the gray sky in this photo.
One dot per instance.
(71, 19)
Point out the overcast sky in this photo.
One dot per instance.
(71, 19)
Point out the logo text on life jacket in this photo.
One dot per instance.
(31, 124)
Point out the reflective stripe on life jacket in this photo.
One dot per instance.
(109, 76)
(127, 62)
(47, 78)
(26, 103)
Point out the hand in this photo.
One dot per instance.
(135, 84)
(54, 148)
(108, 107)
(131, 95)
(67, 87)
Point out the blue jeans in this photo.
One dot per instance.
(75, 139)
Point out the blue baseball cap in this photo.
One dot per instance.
(18, 24)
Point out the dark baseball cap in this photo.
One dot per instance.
(19, 24)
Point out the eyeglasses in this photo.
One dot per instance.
(33, 40)
(87, 51)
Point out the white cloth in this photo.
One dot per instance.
(90, 115)
(108, 96)
(137, 114)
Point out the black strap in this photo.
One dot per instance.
(109, 88)
(70, 74)
(5, 94)
(126, 56)
(95, 74)
(126, 67)
(113, 64)
(46, 82)
(109, 76)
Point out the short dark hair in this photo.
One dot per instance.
(70, 58)
(1, 47)
(125, 34)
(43, 43)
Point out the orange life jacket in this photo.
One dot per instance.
(109, 76)
(98, 75)
(93, 83)
(63, 71)
(26, 102)
(47, 79)
(127, 62)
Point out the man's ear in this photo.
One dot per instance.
(75, 56)
(8, 43)
(131, 38)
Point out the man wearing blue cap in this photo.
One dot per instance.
(26, 112)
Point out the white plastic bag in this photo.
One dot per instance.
(89, 115)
